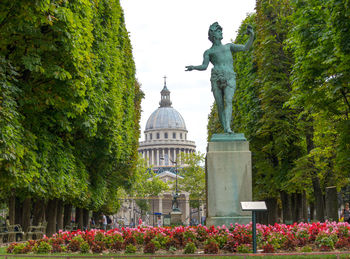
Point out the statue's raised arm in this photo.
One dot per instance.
(249, 43)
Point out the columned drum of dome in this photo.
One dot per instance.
(165, 134)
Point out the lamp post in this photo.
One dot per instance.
(174, 202)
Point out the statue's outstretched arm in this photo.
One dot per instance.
(200, 67)
(248, 45)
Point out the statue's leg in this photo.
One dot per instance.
(219, 100)
(229, 92)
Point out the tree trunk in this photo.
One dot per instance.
(312, 211)
(18, 211)
(286, 207)
(38, 212)
(86, 218)
(294, 207)
(299, 209)
(96, 217)
(67, 218)
(272, 210)
(59, 218)
(12, 209)
(51, 217)
(332, 203)
(262, 217)
(304, 207)
(79, 218)
(319, 202)
(27, 204)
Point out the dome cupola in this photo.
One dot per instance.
(165, 96)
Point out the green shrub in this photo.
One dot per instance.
(244, 248)
(172, 249)
(84, 247)
(306, 249)
(156, 244)
(99, 236)
(42, 248)
(79, 238)
(74, 245)
(326, 242)
(130, 249)
(19, 248)
(190, 248)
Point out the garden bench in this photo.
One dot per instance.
(10, 231)
(37, 231)
(3, 233)
(71, 227)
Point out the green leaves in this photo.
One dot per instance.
(69, 99)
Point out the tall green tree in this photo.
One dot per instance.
(71, 103)
(193, 174)
(320, 86)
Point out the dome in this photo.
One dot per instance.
(165, 118)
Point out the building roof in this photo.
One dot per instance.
(165, 118)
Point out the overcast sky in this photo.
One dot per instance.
(167, 35)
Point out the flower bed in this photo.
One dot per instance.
(303, 237)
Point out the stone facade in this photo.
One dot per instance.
(165, 135)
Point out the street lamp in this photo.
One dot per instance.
(174, 202)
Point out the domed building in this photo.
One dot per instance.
(165, 134)
(165, 139)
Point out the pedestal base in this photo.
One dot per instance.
(229, 179)
(175, 218)
(227, 221)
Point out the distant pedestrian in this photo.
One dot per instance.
(92, 223)
(159, 221)
(140, 221)
(346, 213)
(104, 221)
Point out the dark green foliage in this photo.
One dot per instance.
(190, 248)
(130, 249)
(69, 102)
(320, 42)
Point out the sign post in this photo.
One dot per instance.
(253, 206)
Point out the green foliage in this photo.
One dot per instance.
(84, 247)
(19, 248)
(130, 249)
(42, 248)
(244, 248)
(190, 248)
(278, 137)
(320, 46)
(306, 249)
(69, 102)
(194, 177)
(145, 184)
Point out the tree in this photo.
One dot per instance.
(146, 185)
(72, 105)
(193, 174)
(320, 47)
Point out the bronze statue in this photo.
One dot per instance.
(223, 78)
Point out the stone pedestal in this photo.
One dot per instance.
(229, 179)
(176, 218)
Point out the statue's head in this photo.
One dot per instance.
(214, 29)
